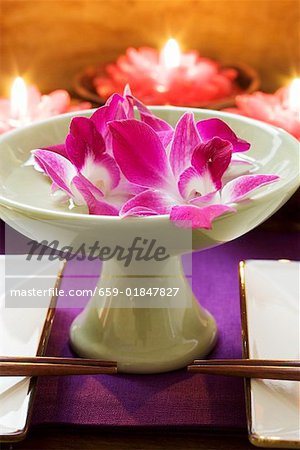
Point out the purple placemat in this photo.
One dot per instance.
(171, 399)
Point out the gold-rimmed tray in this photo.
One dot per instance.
(270, 329)
(24, 332)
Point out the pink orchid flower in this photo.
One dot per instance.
(187, 183)
(83, 169)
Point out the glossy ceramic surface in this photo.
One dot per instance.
(271, 325)
(23, 332)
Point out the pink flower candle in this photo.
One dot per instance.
(168, 76)
(26, 104)
(281, 109)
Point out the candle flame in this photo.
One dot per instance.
(170, 54)
(294, 96)
(19, 99)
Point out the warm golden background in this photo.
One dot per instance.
(48, 41)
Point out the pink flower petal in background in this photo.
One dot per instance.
(212, 159)
(140, 153)
(210, 128)
(194, 217)
(60, 100)
(157, 201)
(185, 139)
(239, 189)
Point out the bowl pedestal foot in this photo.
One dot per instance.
(138, 321)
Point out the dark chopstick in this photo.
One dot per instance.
(264, 369)
(44, 366)
(249, 362)
(56, 360)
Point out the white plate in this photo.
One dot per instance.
(270, 317)
(23, 332)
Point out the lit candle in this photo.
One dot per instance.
(281, 109)
(19, 103)
(26, 104)
(170, 54)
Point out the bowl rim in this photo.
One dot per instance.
(49, 213)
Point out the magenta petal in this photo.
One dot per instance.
(140, 153)
(186, 138)
(155, 122)
(239, 188)
(59, 148)
(140, 211)
(147, 117)
(113, 110)
(194, 217)
(92, 196)
(213, 156)
(211, 128)
(166, 137)
(84, 142)
(156, 201)
(59, 169)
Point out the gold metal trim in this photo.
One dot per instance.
(19, 435)
(254, 438)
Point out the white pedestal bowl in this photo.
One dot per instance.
(141, 338)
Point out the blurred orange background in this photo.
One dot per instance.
(48, 41)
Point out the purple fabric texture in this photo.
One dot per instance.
(175, 398)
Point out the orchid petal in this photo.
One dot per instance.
(156, 201)
(113, 110)
(166, 137)
(140, 211)
(140, 153)
(103, 173)
(155, 122)
(194, 217)
(192, 184)
(57, 167)
(59, 148)
(239, 189)
(186, 138)
(212, 198)
(92, 198)
(213, 157)
(147, 116)
(211, 128)
(84, 142)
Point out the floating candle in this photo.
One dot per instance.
(26, 104)
(170, 55)
(281, 109)
(168, 76)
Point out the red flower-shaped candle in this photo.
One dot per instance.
(168, 76)
(26, 104)
(281, 109)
